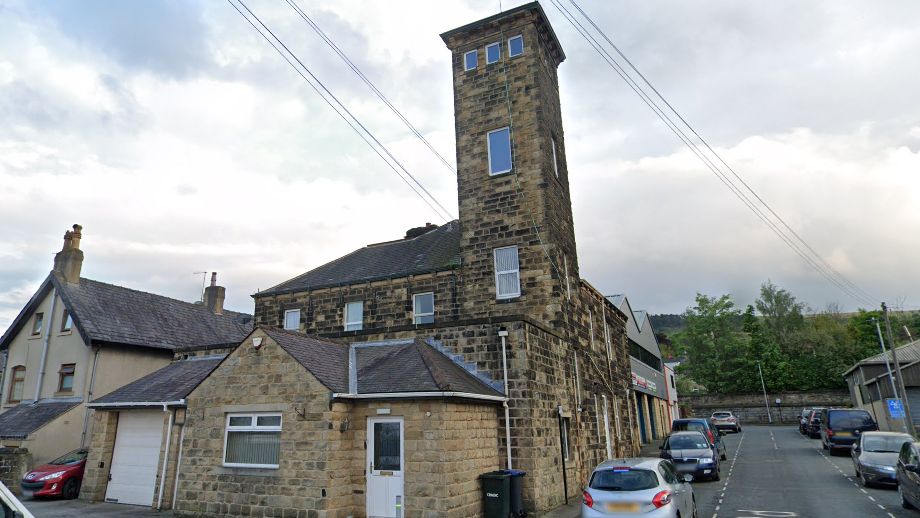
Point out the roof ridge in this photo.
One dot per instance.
(190, 304)
(299, 334)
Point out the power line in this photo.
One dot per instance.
(339, 108)
(819, 265)
(380, 95)
(830, 268)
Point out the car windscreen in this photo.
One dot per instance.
(694, 426)
(721, 415)
(884, 443)
(624, 480)
(686, 442)
(848, 419)
(70, 458)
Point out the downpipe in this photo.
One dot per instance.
(503, 333)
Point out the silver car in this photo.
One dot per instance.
(875, 457)
(642, 486)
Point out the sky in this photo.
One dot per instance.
(183, 143)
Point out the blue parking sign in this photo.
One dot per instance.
(895, 408)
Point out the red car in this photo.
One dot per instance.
(60, 477)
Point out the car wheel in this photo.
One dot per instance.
(717, 476)
(904, 503)
(862, 481)
(71, 489)
(696, 512)
(723, 457)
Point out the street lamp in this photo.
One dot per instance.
(766, 403)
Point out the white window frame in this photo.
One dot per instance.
(345, 318)
(289, 312)
(521, 37)
(416, 314)
(516, 271)
(489, 149)
(490, 45)
(253, 427)
(467, 68)
(555, 161)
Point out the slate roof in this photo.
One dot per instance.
(413, 366)
(436, 250)
(171, 383)
(907, 353)
(21, 420)
(105, 313)
(325, 359)
(391, 366)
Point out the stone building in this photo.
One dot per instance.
(504, 276)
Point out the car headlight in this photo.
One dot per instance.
(704, 460)
(879, 467)
(50, 476)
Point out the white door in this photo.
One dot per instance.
(385, 467)
(134, 461)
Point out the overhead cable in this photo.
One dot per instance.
(380, 95)
(342, 111)
(794, 242)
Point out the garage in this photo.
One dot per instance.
(135, 457)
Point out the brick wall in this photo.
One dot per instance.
(14, 464)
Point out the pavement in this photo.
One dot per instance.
(68, 508)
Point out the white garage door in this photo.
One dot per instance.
(134, 461)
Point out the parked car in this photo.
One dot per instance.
(726, 421)
(908, 475)
(60, 477)
(10, 505)
(643, 486)
(813, 429)
(691, 453)
(704, 426)
(841, 427)
(875, 457)
(803, 420)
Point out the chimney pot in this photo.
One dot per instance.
(69, 261)
(213, 278)
(77, 234)
(214, 296)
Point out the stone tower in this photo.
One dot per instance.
(512, 178)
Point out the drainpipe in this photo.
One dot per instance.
(41, 365)
(89, 395)
(165, 459)
(503, 333)
(178, 465)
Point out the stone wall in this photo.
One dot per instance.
(14, 464)
(750, 408)
(387, 304)
(99, 459)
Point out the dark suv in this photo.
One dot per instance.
(840, 427)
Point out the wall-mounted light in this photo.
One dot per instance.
(257, 342)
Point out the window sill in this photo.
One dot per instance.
(35, 337)
(63, 393)
(65, 333)
(250, 471)
(505, 300)
(503, 173)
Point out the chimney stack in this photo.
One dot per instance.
(69, 261)
(214, 296)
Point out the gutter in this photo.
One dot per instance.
(164, 404)
(416, 395)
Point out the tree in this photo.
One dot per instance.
(714, 344)
(782, 314)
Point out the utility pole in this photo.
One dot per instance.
(897, 370)
(764, 387)
(894, 388)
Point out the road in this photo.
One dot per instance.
(775, 472)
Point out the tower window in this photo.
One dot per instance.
(515, 46)
(499, 151)
(507, 273)
(470, 60)
(493, 53)
(555, 162)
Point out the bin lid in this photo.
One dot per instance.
(499, 475)
(514, 472)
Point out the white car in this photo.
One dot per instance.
(725, 421)
(642, 486)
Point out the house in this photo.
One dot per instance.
(871, 389)
(653, 388)
(77, 338)
(306, 421)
